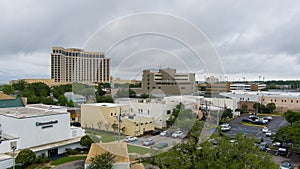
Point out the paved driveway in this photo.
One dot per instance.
(72, 165)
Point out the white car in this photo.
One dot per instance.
(265, 130)
(269, 133)
(164, 133)
(227, 128)
(286, 166)
(130, 139)
(276, 144)
(177, 134)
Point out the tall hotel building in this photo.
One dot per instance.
(76, 65)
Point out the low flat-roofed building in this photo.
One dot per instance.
(104, 116)
(42, 128)
(158, 109)
(283, 100)
(119, 150)
(7, 101)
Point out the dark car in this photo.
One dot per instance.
(247, 120)
(282, 151)
(155, 132)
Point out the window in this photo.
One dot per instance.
(297, 101)
(111, 114)
(275, 100)
(291, 101)
(168, 111)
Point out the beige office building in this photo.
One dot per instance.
(76, 65)
(168, 82)
(105, 116)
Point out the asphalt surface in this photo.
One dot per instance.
(72, 165)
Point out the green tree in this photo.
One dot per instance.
(62, 100)
(104, 161)
(227, 114)
(104, 99)
(20, 85)
(144, 96)
(100, 91)
(259, 108)
(291, 116)
(242, 154)
(271, 107)
(26, 157)
(86, 141)
(8, 89)
(289, 135)
(60, 90)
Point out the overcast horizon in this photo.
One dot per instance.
(252, 39)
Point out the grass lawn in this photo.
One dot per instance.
(67, 159)
(46, 167)
(137, 149)
(250, 124)
(105, 137)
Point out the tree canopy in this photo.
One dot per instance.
(241, 154)
(8, 89)
(291, 116)
(26, 157)
(104, 161)
(86, 141)
(289, 135)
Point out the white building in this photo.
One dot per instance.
(43, 129)
(161, 109)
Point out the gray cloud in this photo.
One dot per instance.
(253, 37)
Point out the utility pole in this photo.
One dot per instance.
(119, 126)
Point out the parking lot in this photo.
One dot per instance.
(157, 139)
(237, 127)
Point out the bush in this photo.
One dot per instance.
(72, 152)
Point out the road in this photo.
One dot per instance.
(74, 165)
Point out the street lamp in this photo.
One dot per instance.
(13, 149)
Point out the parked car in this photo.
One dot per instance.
(227, 128)
(253, 117)
(282, 151)
(269, 118)
(265, 130)
(155, 132)
(247, 120)
(277, 144)
(164, 133)
(215, 142)
(177, 134)
(225, 125)
(263, 146)
(130, 139)
(259, 121)
(162, 144)
(286, 166)
(269, 133)
(148, 142)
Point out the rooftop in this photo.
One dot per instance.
(27, 112)
(105, 105)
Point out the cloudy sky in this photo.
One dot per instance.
(253, 38)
